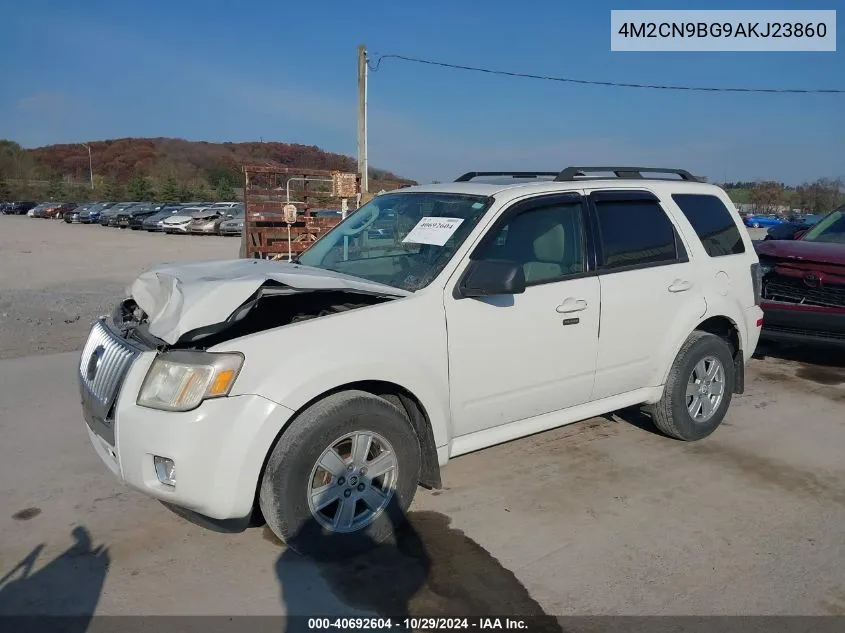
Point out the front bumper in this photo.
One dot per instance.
(175, 228)
(218, 449)
(194, 230)
(793, 323)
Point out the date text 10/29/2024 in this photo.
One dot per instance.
(418, 624)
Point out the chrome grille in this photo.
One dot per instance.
(116, 355)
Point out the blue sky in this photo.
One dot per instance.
(238, 71)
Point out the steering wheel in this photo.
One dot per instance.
(363, 227)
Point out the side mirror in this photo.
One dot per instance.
(486, 278)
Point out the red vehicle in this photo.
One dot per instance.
(57, 210)
(803, 285)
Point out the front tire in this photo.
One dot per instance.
(341, 476)
(699, 389)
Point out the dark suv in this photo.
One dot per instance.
(138, 215)
(108, 216)
(123, 218)
(20, 207)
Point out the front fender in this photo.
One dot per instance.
(402, 342)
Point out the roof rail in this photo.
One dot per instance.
(470, 175)
(623, 173)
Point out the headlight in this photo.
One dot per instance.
(181, 380)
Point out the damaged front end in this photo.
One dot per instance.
(272, 306)
(803, 293)
(201, 304)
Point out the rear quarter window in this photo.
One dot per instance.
(712, 222)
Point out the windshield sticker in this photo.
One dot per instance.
(435, 231)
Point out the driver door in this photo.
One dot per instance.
(524, 355)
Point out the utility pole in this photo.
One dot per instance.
(90, 165)
(363, 167)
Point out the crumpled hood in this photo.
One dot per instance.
(179, 298)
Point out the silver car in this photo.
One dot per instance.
(206, 223)
(233, 225)
(181, 220)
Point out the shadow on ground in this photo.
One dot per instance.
(805, 354)
(427, 569)
(637, 417)
(70, 584)
(820, 365)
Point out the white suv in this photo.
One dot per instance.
(325, 390)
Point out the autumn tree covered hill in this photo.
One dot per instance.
(200, 168)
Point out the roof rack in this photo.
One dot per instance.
(623, 173)
(470, 175)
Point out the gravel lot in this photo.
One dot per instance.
(602, 517)
(55, 277)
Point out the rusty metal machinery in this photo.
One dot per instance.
(268, 189)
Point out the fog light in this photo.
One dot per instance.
(165, 470)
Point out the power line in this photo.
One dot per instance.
(614, 84)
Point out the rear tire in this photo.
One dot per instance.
(294, 472)
(690, 408)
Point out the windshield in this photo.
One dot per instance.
(398, 239)
(831, 229)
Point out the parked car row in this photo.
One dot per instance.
(792, 228)
(201, 218)
(761, 220)
(766, 220)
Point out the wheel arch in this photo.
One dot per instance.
(724, 327)
(395, 394)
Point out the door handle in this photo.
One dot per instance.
(572, 305)
(680, 285)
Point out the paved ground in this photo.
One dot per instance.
(602, 517)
